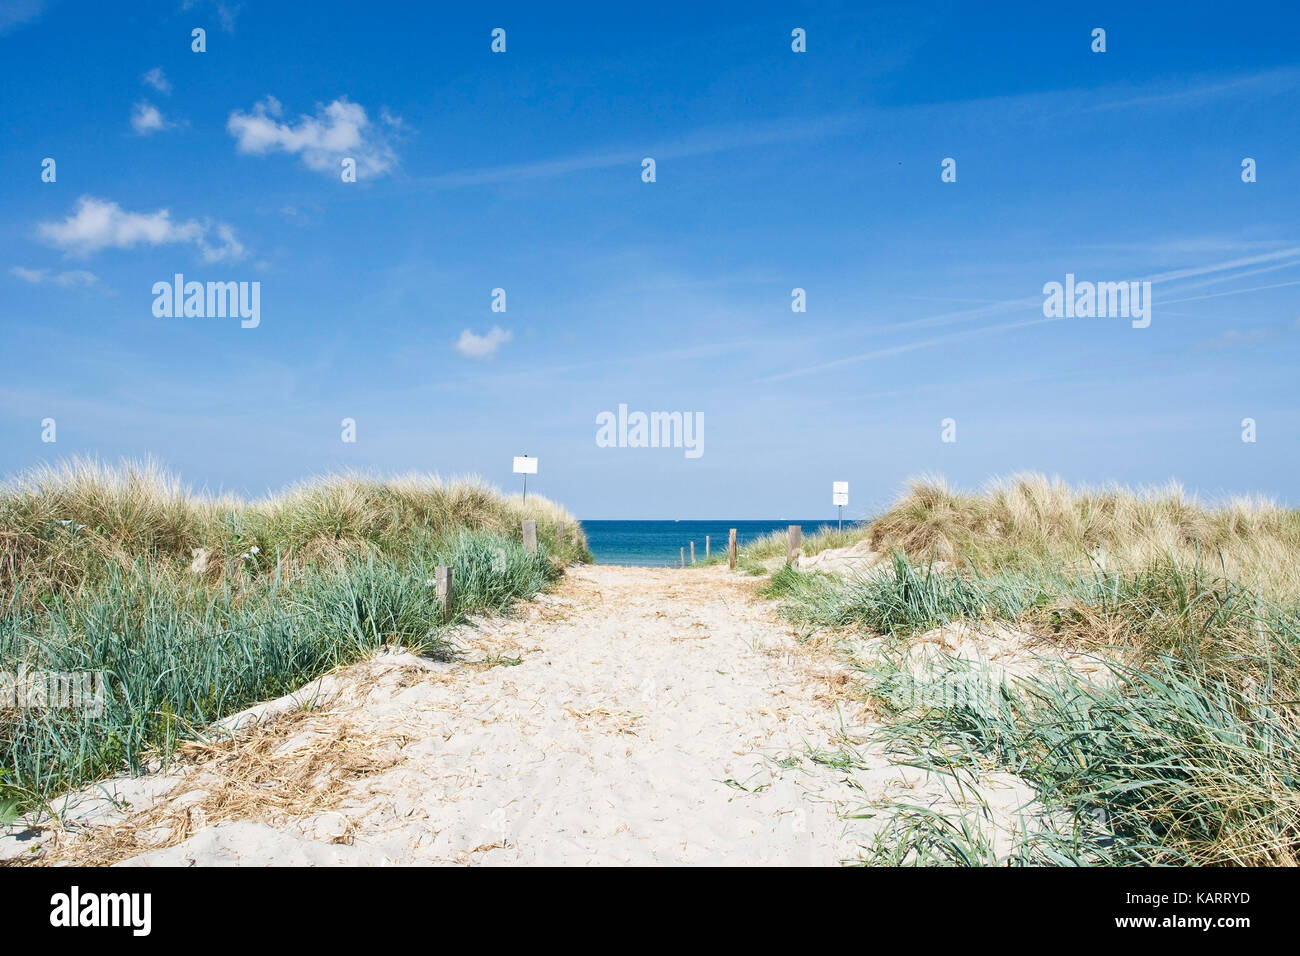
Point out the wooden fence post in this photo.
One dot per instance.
(731, 549)
(706, 547)
(692, 552)
(560, 531)
(683, 557)
(794, 543)
(445, 594)
(530, 536)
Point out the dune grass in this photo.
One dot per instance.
(773, 544)
(750, 556)
(63, 526)
(195, 607)
(1166, 764)
(1188, 754)
(1028, 521)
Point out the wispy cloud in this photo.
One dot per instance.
(907, 347)
(1151, 99)
(70, 279)
(1224, 271)
(1198, 90)
(339, 130)
(1290, 253)
(224, 11)
(1217, 295)
(97, 224)
(1030, 107)
(1181, 246)
(482, 346)
(158, 80)
(702, 143)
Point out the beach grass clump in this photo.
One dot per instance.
(1173, 763)
(1029, 521)
(906, 600)
(194, 608)
(64, 525)
(775, 543)
(1187, 751)
(1133, 615)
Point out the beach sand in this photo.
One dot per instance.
(634, 716)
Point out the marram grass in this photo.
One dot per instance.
(1163, 765)
(197, 607)
(1187, 753)
(62, 526)
(1029, 521)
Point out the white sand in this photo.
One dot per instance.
(643, 724)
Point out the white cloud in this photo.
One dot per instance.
(338, 130)
(158, 80)
(73, 277)
(147, 118)
(98, 224)
(482, 346)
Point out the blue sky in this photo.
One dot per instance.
(774, 170)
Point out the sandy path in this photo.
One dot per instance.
(653, 716)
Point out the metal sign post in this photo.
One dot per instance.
(525, 466)
(840, 498)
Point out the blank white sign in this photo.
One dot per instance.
(839, 492)
(525, 465)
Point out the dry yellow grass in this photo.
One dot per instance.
(1030, 519)
(58, 524)
(298, 765)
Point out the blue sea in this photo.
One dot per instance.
(659, 543)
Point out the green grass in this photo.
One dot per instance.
(774, 543)
(1028, 522)
(907, 600)
(65, 526)
(1164, 765)
(1189, 754)
(99, 574)
(176, 662)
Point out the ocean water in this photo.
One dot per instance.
(658, 543)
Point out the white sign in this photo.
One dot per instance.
(839, 492)
(525, 465)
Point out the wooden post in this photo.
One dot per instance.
(530, 536)
(559, 534)
(683, 557)
(731, 549)
(692, 552)
(794, 543)
(445, 595)
(706, 547)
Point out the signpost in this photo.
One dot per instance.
(840, 498)
(525, 466)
